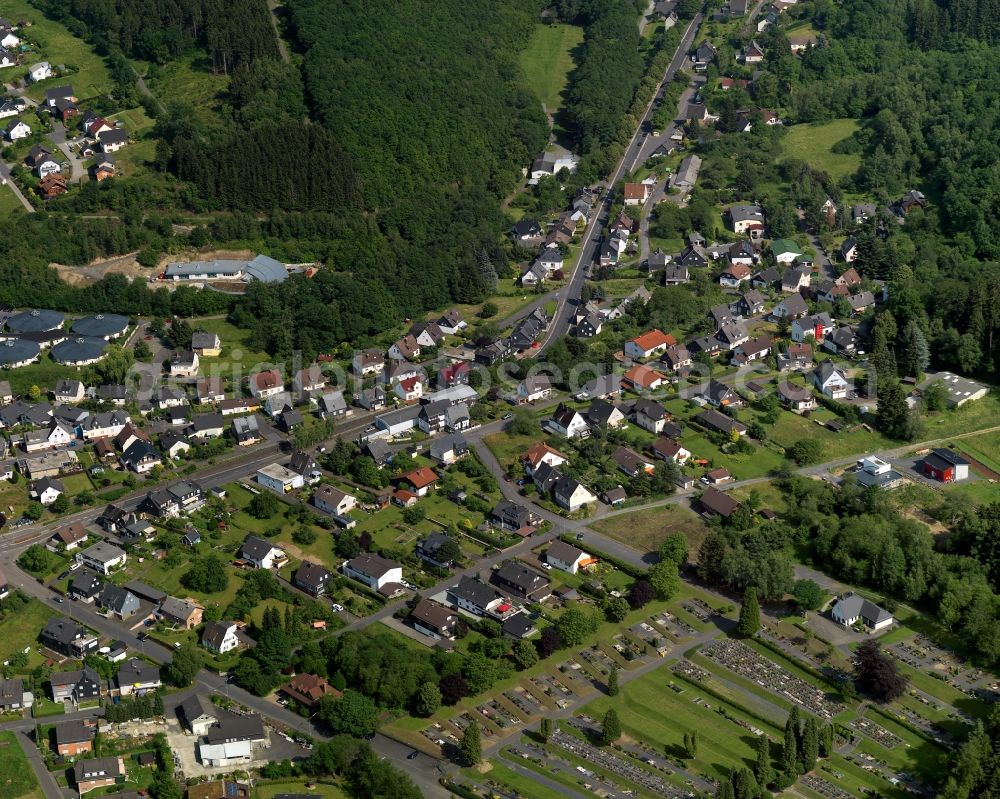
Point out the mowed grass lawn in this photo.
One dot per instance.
(983, 448)
(813, 144)
(547, 61)
(17, 780)
(319, 790)
(646, 529)
(238, 357)
(19, 630)
(650, 711)
(9, 204)
(58, 46)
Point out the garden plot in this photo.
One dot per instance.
(678, 628)
(437, 734)
(627, 648)
(824, 788)
(700, 609)
(654, 638)
(599, 660)
(878, 734)
(616, 764)
(498, 714)
(523, 701)
(747, 662)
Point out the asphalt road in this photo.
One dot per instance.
(591, 241)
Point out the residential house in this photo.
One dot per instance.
(570, 494)
(245, 430)
(785, 250)
(307, 380)
(261, 554)
(205, 344)
(448, 449)
(184, 364)
(451, 322)
(173, 500)
(77, 686)
(527, 232)
(334, 501)
(861, 301)
(433, 620)
(733, 276)
(631, 462)
(692, 256)
(308, 689)
(102, 557)
(68, 638)
(642, 378)
(746, 219)
(540, 453)
(141, 457)
(509, 515)
(17, 129)
(516, 579)
(766, 279)
(220, 637)
(332, 405)
(181, 613)
(378, 573)
(795, 278)
(118, 601)
(602, 412)
(264, 384)
(815, 326)
(98, 772)
(719, 395)
(111, 141)
(368, 362)
(421, 480)
(649, 415)
(13, 696)
(406, 349)
(687, 173)
(863, 212)
(567, 558)
(454, 374)
(842, 341)
(568, 422)
(849, 250)
(210, 389)
(797, 358)
(69, 537)
(676, 357)
(676, 275)
(103, 425)
(533, 388)
(791, 307)
(831, 381)
(796, 398)
(714, 502)
(199, 715)
(733, 335)
(750, 303)
(207, 425)
(137, 677)
(636, 193)
(670, 450)
(434, 549)
(54, 434)
(311, 578)
(478, 598)
(85, 587)
(649, 344)
(717, 422)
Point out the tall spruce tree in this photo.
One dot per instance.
(810, 745)
(749, 623)
(762, 770)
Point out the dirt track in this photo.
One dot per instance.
(128, 266)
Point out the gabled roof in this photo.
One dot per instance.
(420, 477)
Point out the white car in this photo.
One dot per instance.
(337, 607)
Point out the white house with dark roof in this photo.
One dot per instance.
(852, 608)
(102, 557)
(261, 554)
(374, 571)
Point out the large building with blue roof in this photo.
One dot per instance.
(262, 268)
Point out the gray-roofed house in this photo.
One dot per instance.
(181, 613)
(137, 677)
(521, 581)
(199, 714)
(311, 578)
(852, 608)
(118, 601)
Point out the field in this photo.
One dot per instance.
(17, 780)
(58, 46)
(268, 790)
(44, 373)
(645, 530)
(791, 428)
(813, 143)
(9, 204)
(983, 448)
(20, 629)
(548, 60)
(237, 359)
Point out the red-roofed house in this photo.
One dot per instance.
(422, 480)
(650, 343)
(454, 374)
(264, 384)
(409, 390)
(642, 378)
(308, 689)
(636, 193)
(541, 453)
